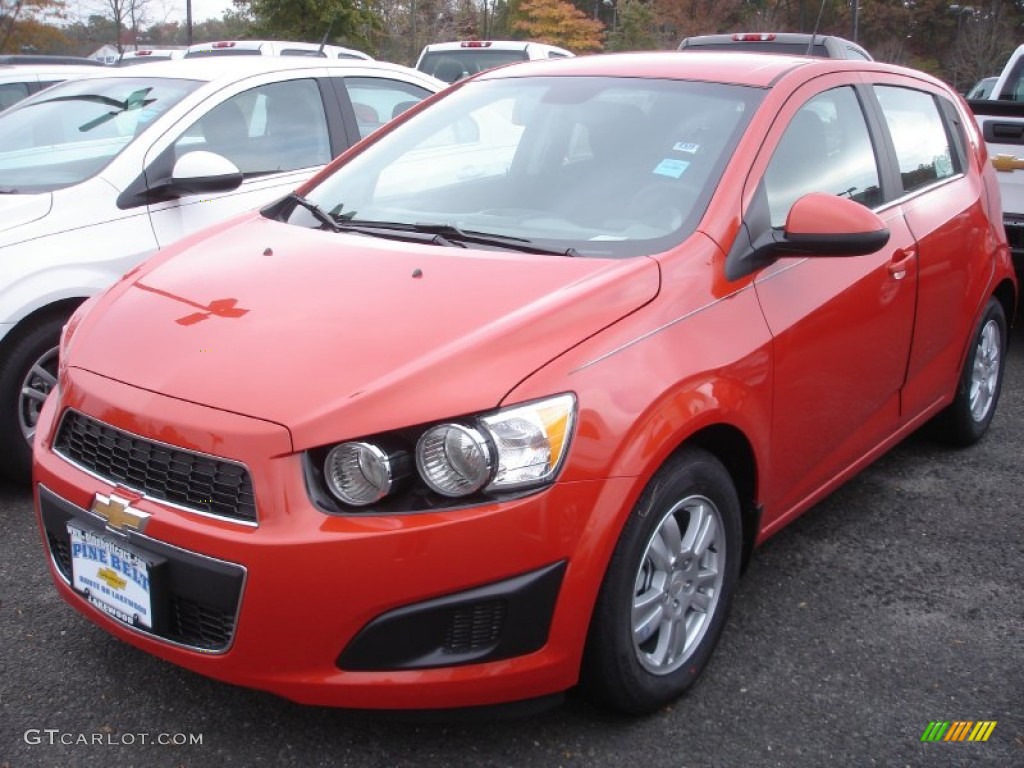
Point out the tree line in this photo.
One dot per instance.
(958, 42)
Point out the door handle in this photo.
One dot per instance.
(1007, 163)
(901, 262)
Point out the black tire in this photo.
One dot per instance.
(965, 420)
(35, 344)
(628, 667)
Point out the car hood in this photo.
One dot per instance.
(18, 210)
(337, 336)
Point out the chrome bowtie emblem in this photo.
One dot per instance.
(118, 513)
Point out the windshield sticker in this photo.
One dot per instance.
(686, 146)
(671, 167)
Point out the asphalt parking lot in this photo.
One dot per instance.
(896, 602)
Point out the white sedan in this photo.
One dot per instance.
(98, 173)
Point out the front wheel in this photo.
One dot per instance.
(668, 587)
(28, 372)
(967, 418)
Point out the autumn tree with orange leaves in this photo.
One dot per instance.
(556, 22)
(22, 26)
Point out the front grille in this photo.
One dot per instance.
(474, 627)
(191, 480)
(195, 598)
(61, 553)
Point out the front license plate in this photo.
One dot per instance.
(111, 577)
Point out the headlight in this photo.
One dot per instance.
(530, 441)
(454, 460)
(358, 473)
(513, 449)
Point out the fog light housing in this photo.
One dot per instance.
(454, 460)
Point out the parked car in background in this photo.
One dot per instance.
(272, 48)
(1001, 121)
(18, 81)
(982, 89)
(461, 442)
(149, 55)
(454, 61)
(793, 43)
(99, 173)
(45, 58)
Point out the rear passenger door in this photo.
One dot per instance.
(944, 210)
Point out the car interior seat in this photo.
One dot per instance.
(402, 106)
(449, 70)
(226, 132)
(367, 118)
(599, 161)
(296, 130)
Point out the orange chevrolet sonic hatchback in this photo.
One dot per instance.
(503, 399)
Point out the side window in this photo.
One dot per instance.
(12, 93)
(919, 135)
(378, 100)
(826, 148)
(272, 128)
(1013, 88)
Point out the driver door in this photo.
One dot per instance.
(275, 133)
(841, 326)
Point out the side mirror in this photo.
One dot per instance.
(201, 172)
(818, 224)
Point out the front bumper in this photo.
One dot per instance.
(436, 610)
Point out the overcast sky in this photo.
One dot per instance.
(201, 9)
(162, 10)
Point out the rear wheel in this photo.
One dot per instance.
(668, 587)
(27, 375)
(967, 418)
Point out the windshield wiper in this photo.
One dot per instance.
(136, 100)
(449, 234)
(318, 213)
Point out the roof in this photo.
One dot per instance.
(273, 47)
(757, 69)
(490, 45)
(232, 68)
(17, 72)
(38, 59)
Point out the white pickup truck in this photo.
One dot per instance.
(1001, 118)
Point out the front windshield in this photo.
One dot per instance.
(590, 166)
(70, 132)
